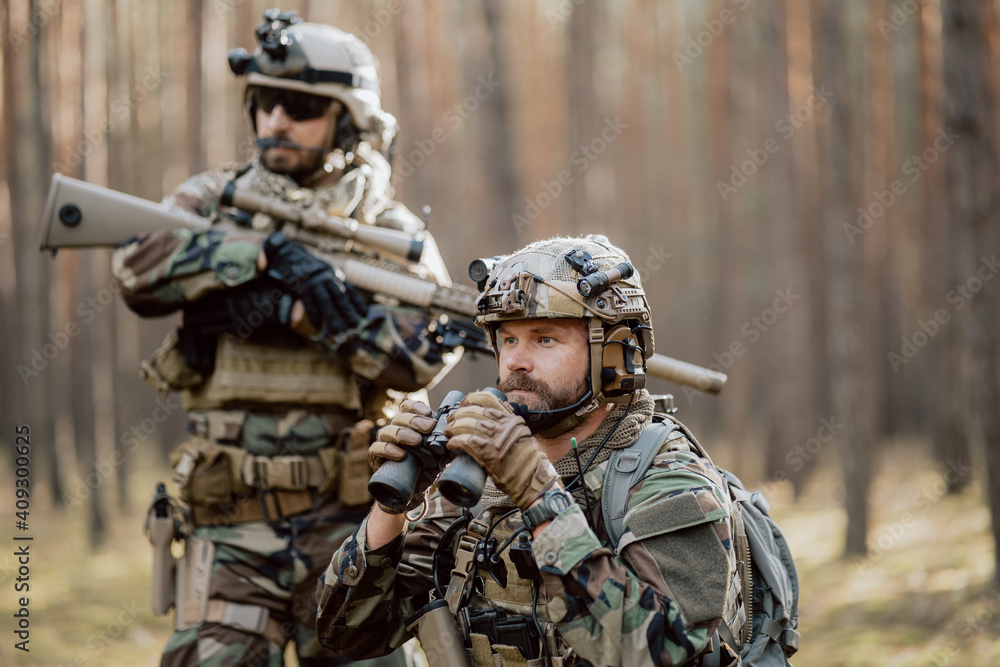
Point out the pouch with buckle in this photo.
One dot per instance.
(353, 463)
(167, 369)
(204, 471)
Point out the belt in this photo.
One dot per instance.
(265, 506)
(246, 617)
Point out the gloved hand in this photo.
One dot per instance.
(399, 439)
(331, 305)
(485, 428)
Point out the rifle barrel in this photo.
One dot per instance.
(681, 372)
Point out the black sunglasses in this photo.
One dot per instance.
(297, 106)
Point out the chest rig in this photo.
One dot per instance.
(492, 594)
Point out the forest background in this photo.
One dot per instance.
(808, 190)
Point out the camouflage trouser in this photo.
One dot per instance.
(275, 567)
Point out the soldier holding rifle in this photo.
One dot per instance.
(283, 364)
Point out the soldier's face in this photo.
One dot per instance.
(310, 133)
(544, 364)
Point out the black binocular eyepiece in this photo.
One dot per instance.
(462, 481)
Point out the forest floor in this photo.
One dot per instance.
(921, 598)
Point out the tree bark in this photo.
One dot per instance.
(846, 325)
(789, 401)
(973, 177)
(946, 395)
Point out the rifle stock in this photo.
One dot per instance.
(82, 215)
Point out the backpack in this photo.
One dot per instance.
(773, 584)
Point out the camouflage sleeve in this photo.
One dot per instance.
(365, 596)
(163, 270)
(661, 599)
(393, 348)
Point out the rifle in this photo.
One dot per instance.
(82, 215)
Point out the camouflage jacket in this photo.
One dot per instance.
(657, 599)
(169, 269)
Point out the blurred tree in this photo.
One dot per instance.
(848, 387)
(789, 397)
(969, 33)
(944, 393)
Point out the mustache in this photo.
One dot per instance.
(281, 141)
(520, 380)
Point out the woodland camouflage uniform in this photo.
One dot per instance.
(275, 465)
(656, 599)
(268, 401)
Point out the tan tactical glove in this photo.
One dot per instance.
(405, 431)
(485, 428)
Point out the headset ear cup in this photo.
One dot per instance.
(621, 362)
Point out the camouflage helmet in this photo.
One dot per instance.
(576, 278)
(320, 60)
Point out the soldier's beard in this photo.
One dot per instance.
(299, 165)
(545, 398)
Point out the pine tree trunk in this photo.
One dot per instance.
(845, 321)
(789, 400)
(945, 392)
(973, 177)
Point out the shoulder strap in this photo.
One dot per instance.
(625, 468)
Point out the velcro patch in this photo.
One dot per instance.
(691, 560)
(667, 515)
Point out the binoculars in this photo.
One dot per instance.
(461, 482)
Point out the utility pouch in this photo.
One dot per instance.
(167, 370)
(204, 471)
(194, 574)
(513, 638)
(352, 453)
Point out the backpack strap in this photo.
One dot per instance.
(625, 468)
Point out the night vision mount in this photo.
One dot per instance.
(272, 35)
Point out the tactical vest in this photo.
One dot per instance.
(220, 464)
(248, 373)
(492, 635)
